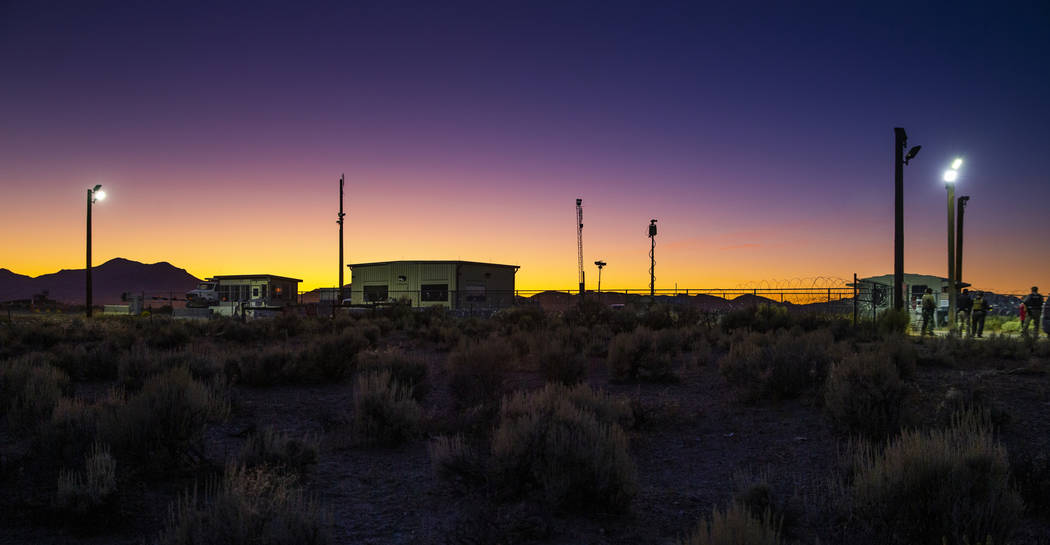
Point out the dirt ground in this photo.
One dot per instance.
(697, 443)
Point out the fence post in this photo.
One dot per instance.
(854, 299)
(829, 296)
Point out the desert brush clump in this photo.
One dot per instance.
(408, 369)
(456, 460)
(248, 507)
(30, 387)
(164, 422)
(279, 451)
(477, 370)
(945, 484)
(331, 357)
(643, 354)
(864, 395)
(266, 366)
(562, 453)
(384, 411)
(560, 359)
(89, 495)
(781, 365)
(736, 525)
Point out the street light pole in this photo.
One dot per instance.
(961, 203)
(93, 194)
(950, 176)
(600, 264)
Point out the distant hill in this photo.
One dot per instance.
(109, 280)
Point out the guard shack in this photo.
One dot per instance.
(257, 290)
(451, 284)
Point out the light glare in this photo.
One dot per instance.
(951, 175)
(956, 164)
(100, 195)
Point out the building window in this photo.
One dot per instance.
(277, 291)
(264, 291)
(255, 292)
(433, 293)
(376, 293)
(401, 279)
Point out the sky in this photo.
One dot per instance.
(759, 134)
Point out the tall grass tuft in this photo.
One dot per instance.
(736, 525)
(249, 506)
(384, 411)
(408, 369)
(945, 484)
(780, 365)
(89, 494)
(30, 387)
(278, 451)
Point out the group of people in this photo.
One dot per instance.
(973, 310)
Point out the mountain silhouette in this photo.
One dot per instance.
(109, 280)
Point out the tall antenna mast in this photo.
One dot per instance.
(579, 240)
(340, 222)
(652, 258)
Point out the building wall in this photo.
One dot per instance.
(403, 281)
(485, 286)
(271, 292)
(466, 284)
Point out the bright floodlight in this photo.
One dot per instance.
(956, 164)
(951, 175)
(100, 195)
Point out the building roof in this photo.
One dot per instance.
(253, 277)
(441, 261)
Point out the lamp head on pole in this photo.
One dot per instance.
(97, 194)
(600, 264)
(951, 175)
(911, 154)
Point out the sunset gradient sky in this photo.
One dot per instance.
(759, 134)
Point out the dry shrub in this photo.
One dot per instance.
(560, 360)
(330, 358)
(947, 484)
(88, 361)
(643, 355)
(736, 525)
(408, 369)
(248, 507)
(780, 365)
(551, 445)
(165, 421)
(864, 395)
(900, 351)
(278, 451)
(477, 371)
(455, 460)
(89, 494)
(263, 367)
(74, 424)
(30, 387)
(384, 411)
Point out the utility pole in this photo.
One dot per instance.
(899, 160)
(652, 259)
(88, 267)
(951, 256)
(340, 222)
(579, 241)
(963, 201)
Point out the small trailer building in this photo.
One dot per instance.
(452, 284)
(258, 290)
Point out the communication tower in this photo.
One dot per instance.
(579, 241)
(652, 258)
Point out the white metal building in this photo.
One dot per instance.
(452, 284)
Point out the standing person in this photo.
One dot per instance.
(929, 305)
(979, 311)
(964, 304)
(1033, 305)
